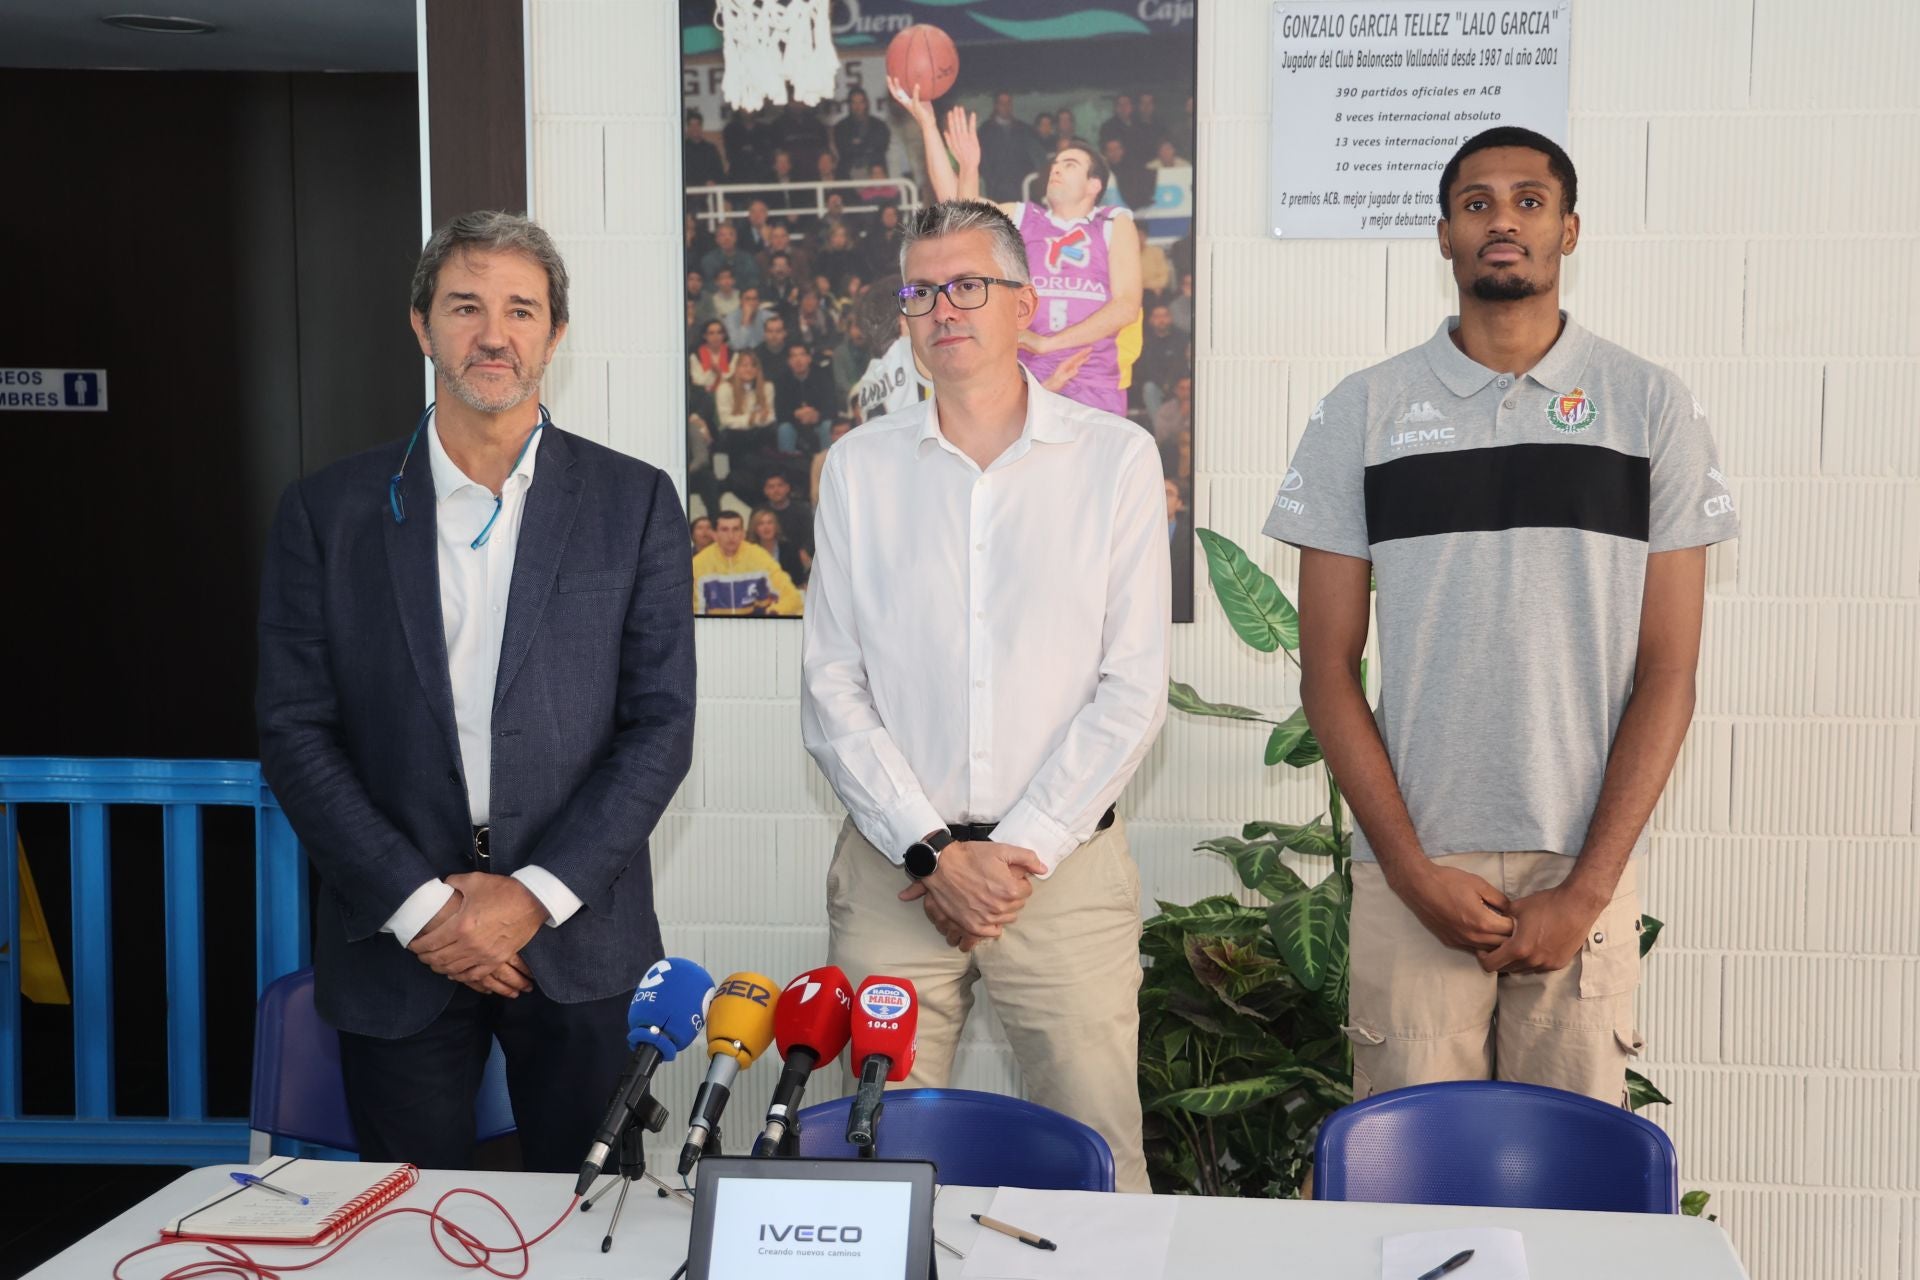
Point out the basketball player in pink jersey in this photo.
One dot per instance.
(1084, 256)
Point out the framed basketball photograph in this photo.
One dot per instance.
(812, 131)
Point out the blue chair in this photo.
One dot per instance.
(298, 1092)
(976, 1139)
(1498, 1144)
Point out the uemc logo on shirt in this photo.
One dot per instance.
(1281, 502)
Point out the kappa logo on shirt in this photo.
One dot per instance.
(1319, 413)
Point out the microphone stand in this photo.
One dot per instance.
(648, 1117)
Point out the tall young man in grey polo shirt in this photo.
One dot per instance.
(1535, 505)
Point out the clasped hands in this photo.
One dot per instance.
(1540, 933)
(475, 939)
(976, 891)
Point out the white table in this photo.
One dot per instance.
(1210, 1238)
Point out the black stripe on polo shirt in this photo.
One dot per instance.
(1516, 486)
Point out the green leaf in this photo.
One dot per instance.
(1309, 837)
(1222, 916)
(1694, 1203)
(1260, 613)
(1305, 752)
(1225, 1099)
(1310, 929)
(1181, 697)
(1287, 736)
(1258, 864)
(1649, 930)
(1642, 1091)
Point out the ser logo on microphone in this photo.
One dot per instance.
(750, 991)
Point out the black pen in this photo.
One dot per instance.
(1454, 1263)
(1007, 1229)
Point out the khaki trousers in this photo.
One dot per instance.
(1064, 979)
(1421, 1012)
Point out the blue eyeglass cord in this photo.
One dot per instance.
(398, 503)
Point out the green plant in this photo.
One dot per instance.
(1241, 1048)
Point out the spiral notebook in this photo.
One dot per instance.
(340, 1194)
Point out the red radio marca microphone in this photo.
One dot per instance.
(810, 1024)
(886, 1022)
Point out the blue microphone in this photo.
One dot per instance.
(668, 1012)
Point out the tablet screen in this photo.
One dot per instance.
(811, 1220)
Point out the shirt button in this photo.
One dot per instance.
(1599, 939)
(1503, 382)
(979, 684)
(979, 755)
(1506, 404)
(980, 615)
(979, 546)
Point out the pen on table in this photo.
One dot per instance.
(1006, 1229)
(255, 1180)
(1454, 1263)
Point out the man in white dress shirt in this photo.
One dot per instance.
(985, 668)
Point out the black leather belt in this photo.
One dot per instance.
(482, 849)
(968, 832)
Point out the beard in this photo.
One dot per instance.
(1504, 288)
(497, 399)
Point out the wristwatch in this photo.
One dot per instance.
(923, 855)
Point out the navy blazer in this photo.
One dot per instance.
(592, 716)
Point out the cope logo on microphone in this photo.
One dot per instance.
(885, 1001)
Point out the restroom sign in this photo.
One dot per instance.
(54, 390)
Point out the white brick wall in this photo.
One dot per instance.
(1751, 194)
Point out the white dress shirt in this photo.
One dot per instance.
(987, 646)
(474, 582)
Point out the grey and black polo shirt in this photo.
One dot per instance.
(1509, 522)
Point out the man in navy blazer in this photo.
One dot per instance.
(476, 698)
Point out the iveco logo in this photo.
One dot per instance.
(808, 1234)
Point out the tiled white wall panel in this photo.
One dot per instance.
(1751, 204)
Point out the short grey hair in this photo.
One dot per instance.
(491, 231)
(950, 217)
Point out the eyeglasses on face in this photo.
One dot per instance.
(966, 293)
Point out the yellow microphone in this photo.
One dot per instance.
(739, 1028)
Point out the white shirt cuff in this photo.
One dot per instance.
(422, 905)
(560, 901)
(1028, 828)
(906, 822)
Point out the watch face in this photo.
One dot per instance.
(921, 859)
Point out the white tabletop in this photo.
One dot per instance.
(1211, 1237)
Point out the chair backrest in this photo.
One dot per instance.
(1495, 1143)
(298, 1091)
(976, 1139)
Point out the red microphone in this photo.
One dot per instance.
(811, 1024)
(886, 1022)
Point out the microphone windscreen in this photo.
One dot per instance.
(815, 1012)
(742, 1012)
(886, 1020)
(669, 1007)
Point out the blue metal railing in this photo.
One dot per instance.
(181, 789)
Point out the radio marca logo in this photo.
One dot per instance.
(885, 1001)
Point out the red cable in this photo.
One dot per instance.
(231, 1260)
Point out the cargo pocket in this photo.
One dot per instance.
(1610, 957)
(1366, 1044)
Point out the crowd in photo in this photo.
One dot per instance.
(794, 337)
